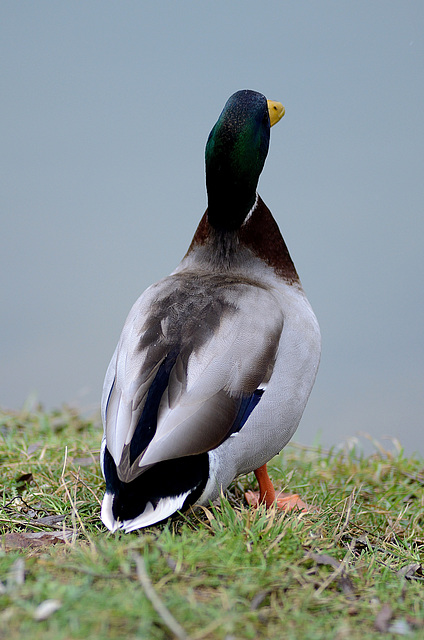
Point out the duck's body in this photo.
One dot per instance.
(215, 362)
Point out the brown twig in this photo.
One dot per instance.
(165, 615)
(350, 502)
(81, 481)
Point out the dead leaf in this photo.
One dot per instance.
(344, 580)
(323, 558)
(30, 539)
(46, 609)
(48, 521)
(400, 627)
(171, 563)
(32, 448)
(412, 571)
(382, 621)
(258, 599)
(346, 584)
(83, 462)
(16, 575)
(24, 479)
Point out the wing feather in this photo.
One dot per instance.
(221, 337)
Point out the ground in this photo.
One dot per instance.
(349, 568)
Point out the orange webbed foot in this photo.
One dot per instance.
(266, 495)
(284, 501)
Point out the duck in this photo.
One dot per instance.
(216, 361)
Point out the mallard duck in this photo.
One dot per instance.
(215, 362)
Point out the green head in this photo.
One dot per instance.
(235, 154)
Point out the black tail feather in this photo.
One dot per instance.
(167, 478)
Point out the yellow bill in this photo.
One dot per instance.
(276, 111)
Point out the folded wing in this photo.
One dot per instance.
(192, 354)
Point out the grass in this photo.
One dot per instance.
(350, 568)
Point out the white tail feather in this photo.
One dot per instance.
(165, 508)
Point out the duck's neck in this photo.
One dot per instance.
(229, 202)
(232, 173)
(259, 235)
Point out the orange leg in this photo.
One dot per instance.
(267, 495)
(266, 488)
